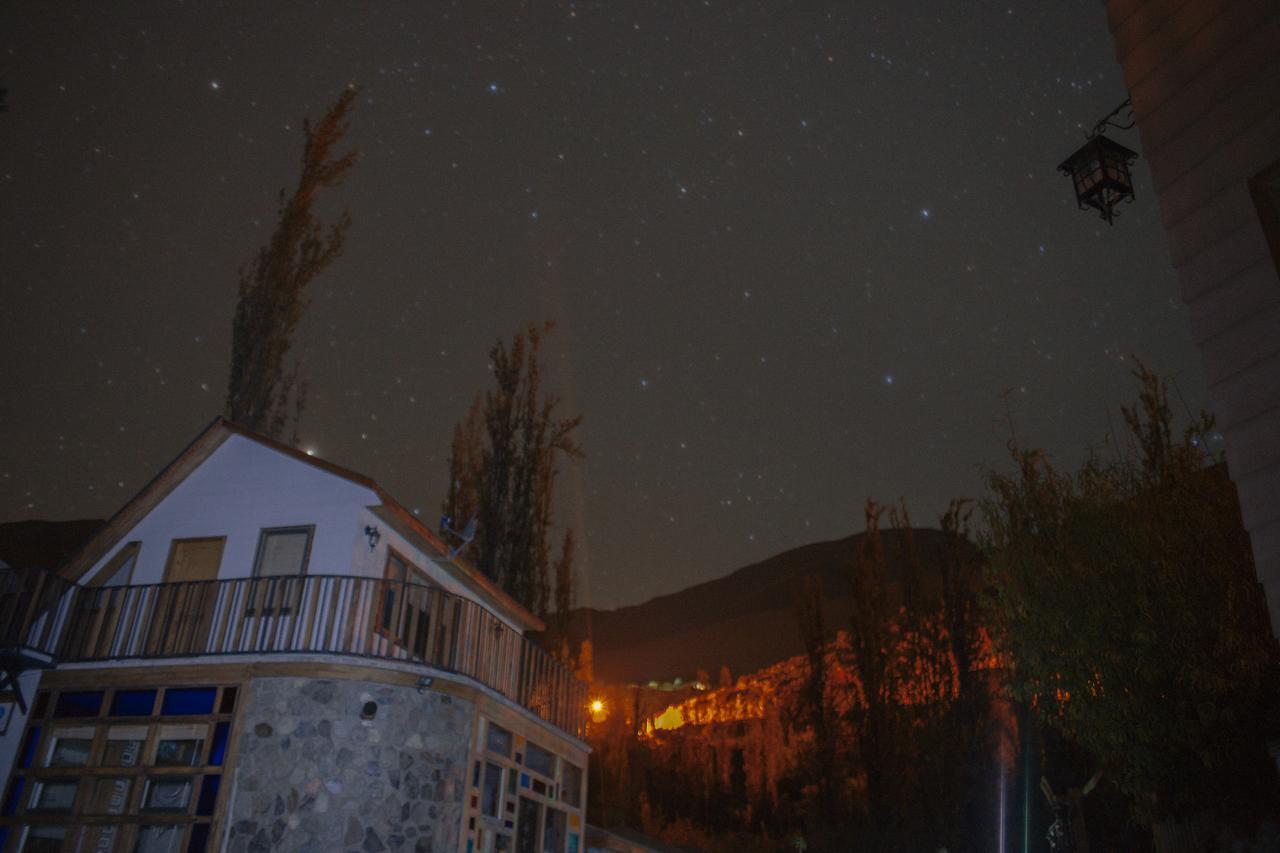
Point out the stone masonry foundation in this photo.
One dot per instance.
(328, 764)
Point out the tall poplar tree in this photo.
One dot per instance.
(262, 390)
(508, 467)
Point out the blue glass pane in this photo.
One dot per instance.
(133, 703)
(15, 794)
(218, 751)
(84, 703)
(188, 700)
(208, 795)
(199, 838)
(29, 749)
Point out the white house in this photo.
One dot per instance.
(264, 651)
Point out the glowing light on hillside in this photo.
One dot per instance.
(598, 711)
(670, 719)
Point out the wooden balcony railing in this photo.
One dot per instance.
(33, 609)
(309, 614)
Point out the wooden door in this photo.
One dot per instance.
(185, 604)
(194, 559)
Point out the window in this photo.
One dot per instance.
(553, 831)
(571, 784)
(70, 747)
(491, 791)
(405, 614)
(40, 839)
(180, 746)
(124, 746)
(167, 794)
(527, 828)
(184, 701)
(498, 740)
(283, 551)
(540, 760)
(159, 839)
(533, 814)
(109, 796)
(54, 795)
(119, 571)
(133, 703)
(132, 769)
(84, 703)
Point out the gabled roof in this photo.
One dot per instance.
(390, 510)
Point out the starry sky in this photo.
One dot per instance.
(799, 253)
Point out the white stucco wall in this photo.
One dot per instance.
(245, 486)
(372, 561)
(241, 488)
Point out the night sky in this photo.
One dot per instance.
(796, 251)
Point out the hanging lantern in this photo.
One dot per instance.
(1100, 173)
(1100, 169)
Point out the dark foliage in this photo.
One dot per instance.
(263, 393)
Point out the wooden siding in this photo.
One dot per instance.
(1205, 81)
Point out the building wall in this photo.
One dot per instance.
(312, 775)
(1205, 80)
(245, 486)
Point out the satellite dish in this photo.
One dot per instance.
(466, 535)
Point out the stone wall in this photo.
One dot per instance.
(314, 775)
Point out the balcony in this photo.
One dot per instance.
(45, 620)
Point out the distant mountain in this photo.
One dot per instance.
(745, 620)
(43, 544)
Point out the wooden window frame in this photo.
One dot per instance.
(260, 605)
(394, 633)
(263, 533)
(513, 789)
(132, 816)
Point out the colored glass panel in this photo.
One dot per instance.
(15, 795)
(218, 751)
(208, 795)
(183, 701)
(133, 703)
(199, 842)
(78, 703)
(29, 747)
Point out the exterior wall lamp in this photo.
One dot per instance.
(1099, 171)
(374, 536)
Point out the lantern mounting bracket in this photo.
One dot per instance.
(1107, 120)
